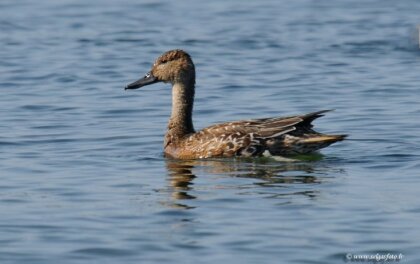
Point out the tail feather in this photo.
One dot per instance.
(316, 142)
(317, 139)
(301, 138)
(291, 145)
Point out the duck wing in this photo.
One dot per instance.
(250, 137)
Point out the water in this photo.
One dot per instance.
(83, 178)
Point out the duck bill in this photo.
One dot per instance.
(146, 80)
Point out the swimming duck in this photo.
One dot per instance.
(277, 136)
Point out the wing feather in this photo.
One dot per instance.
(251, 135)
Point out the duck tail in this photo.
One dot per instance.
(315, 142)
(323, 139)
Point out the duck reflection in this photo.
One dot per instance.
(180, 179)
(181, 175)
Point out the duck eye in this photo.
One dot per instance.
(164, 61)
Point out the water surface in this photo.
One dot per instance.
(83, 175)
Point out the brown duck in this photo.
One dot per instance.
(277, 136)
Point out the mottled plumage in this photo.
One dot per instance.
(255, 137)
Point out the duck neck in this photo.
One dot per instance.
(181, 123)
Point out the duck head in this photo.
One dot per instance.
(174, 66)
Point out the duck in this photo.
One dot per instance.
(273, 136)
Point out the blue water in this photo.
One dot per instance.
(83, 178)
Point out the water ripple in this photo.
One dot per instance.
(84, 178)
